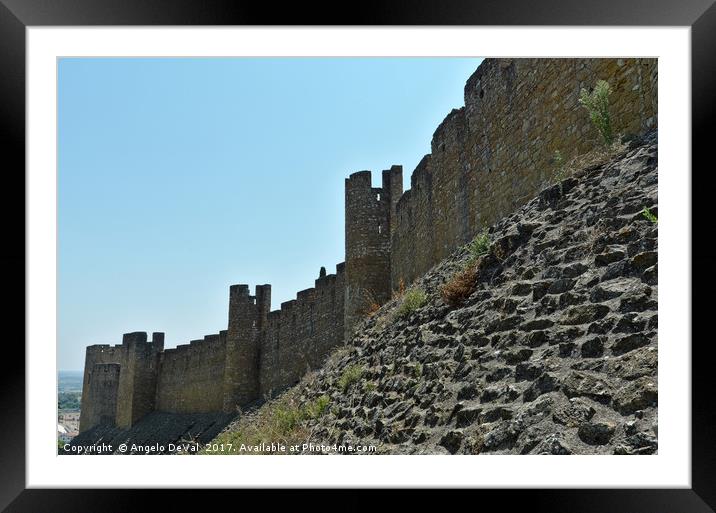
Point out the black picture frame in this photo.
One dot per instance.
(17, 15)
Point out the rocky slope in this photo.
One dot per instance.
(554, 352)
(156, 433)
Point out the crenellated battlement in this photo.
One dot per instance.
(486, 158)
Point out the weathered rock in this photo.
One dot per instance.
(616, 270)
(528, 371)
(635, 364)
(576, 412)
(517, 355)
(615, 288)
(629, 323)
(537, 324)
(498, 374)
(536, 338)
(629, 343)
(521, 289)
(637, 303)
(582, 384)
(611, 255)
(566, 349)
(467, 416)
(644, 260)
(452, 440)
(503, 436)
(638, 443)
(539, 289)
(584, 313)
(468, 391)
(636, 395)
(560, 286)
(596, 433)
(592, 348)
(545, 383)
(553, 444)
(574, 270)
(495, 414)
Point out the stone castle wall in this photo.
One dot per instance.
(132, 390)
(102, 395)
(190, 377)
(491, 156)
(259, 354)
(299, 336)
(93, 407)
(487, 159)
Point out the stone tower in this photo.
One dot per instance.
(247, 316)
(120, 381)
(370, 217)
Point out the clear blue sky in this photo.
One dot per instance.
(180, 177)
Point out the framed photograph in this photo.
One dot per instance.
(430, 239)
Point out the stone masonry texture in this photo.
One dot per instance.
(487, 160)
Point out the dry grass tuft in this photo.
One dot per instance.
(582, 163)
(400, 291)
(460, 286)
(371, 309)
(371, 304)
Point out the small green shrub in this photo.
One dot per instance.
(287, 419)
(413, 299)
(649, 216)
(317, 408)
(351, 375)
(597, 104)
(370, 386)
(558, 159)
(418, 370)
(480, 245)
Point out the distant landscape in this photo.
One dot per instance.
(69, 390)
(69, 397)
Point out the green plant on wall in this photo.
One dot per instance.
(479, 246)
(351, 374)
(597, 104)
(413, 299)
(558, 159)
(649, 215)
